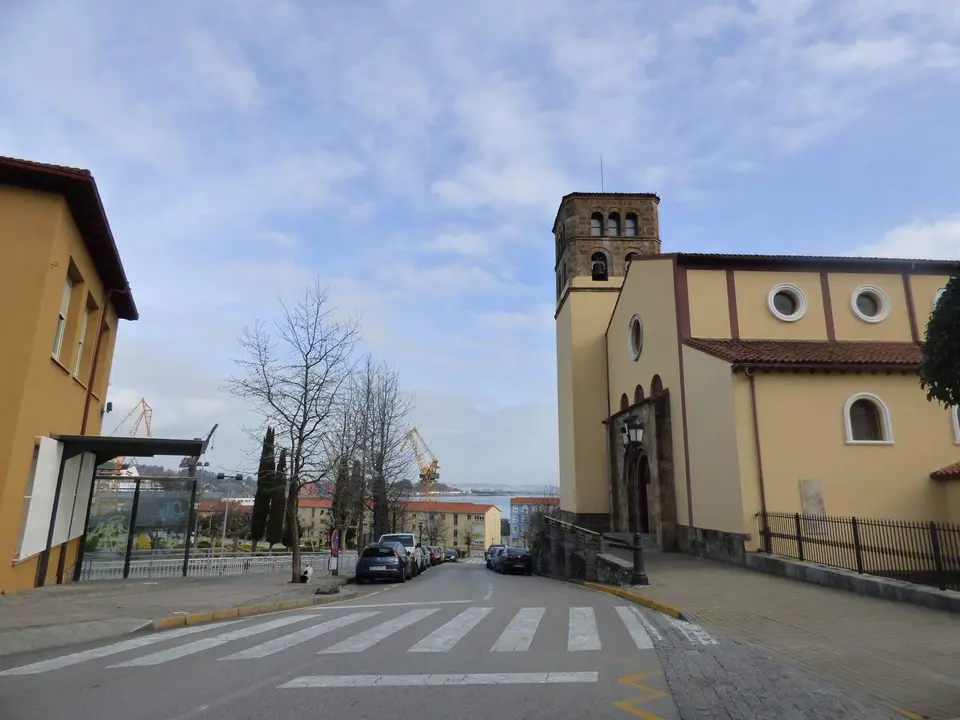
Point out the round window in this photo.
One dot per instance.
(787, 302)
(870, 304)
(635, 336)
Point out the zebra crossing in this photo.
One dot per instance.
(377, 624)
(472, 561)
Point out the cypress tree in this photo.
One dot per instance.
(261, 499)
(278, 501)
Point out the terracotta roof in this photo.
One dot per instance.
(950, 472)
(79, 189)
(534, 501)
(315, 502)
(802, 353)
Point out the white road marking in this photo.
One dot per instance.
(583, 630)
(366, 681)
(369, 638)
(449, 634)
(638, 632)
(212, 642)
(693, 633)
(107, 650)
(518, 635)
(652, 630)
(489, 592)
(288, 641)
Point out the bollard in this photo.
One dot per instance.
(639, 576)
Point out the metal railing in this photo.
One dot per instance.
(207, 565)
(925, 553)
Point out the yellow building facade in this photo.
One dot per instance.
(782, 384)
(65, 293)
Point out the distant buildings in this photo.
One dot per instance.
(521, 508)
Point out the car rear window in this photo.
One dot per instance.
(405, 540)
(378, 552)
(517, 551)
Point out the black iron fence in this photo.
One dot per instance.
(926, 553)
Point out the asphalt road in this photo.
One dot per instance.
(459, 641)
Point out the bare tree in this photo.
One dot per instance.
(435, 528)
(295, 373)
(467, 539)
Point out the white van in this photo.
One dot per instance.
(413, 548)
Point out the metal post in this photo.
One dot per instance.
(639, 576)
(81, 550)
(131, 531)
(937, 556)
(226, 515)
(191, 519)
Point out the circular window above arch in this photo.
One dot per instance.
(787, 302)
(635, 336)
(870, 304)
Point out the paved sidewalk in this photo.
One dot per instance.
(902, 656)
(80, 612)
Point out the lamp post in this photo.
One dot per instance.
(226, 506)
(631, 433)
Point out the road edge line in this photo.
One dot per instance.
(244, 611)
(637, 599)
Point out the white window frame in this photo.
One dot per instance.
(82, 336)
(884, 301)
(955, 415)
(798, 295)
(884, 419)
(65, 297)
(633, 348)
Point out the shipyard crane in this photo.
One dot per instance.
(427, 465)
(143, 414)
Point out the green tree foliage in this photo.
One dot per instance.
(278, 501)
(940, 368)
(261, 500)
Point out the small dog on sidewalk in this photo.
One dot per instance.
(306, 574)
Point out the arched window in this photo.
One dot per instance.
(638, 394)
(867, 420)
(656, 386)
(598, 266)
(624, 402)
(596, 225)
(630, 228)
(613, 225)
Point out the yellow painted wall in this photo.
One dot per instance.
(849, 327)
(747, 457)
(712, 434)
(709, 308)
(924, 289)
(38, 233)
(649, 291)
(581, 384)
(802, 436)
(951, 494)
(758, 323)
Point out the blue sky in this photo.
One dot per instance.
(412, 154)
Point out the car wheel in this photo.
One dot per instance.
(403, 576)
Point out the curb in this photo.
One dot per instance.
(169, 623)
(637, 599)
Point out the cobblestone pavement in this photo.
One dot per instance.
(727, 680)
(898, 655)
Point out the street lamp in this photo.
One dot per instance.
(631, 433)
(226, 506)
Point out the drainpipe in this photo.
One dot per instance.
(96, 358)
(756, 437)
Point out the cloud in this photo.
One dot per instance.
(243, 150)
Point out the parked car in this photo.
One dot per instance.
(407, 560)
(512, 559)
(381, 562)
(413, 548)
(441, 554)
(438, 551)
(496, 556)
(450, 556)
(489, 554)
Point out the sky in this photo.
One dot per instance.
(412, 155)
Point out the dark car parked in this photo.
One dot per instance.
(450, 556)
(388, 561)
(513, 559)
(490, 553)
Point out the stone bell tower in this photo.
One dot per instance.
(596, 236)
